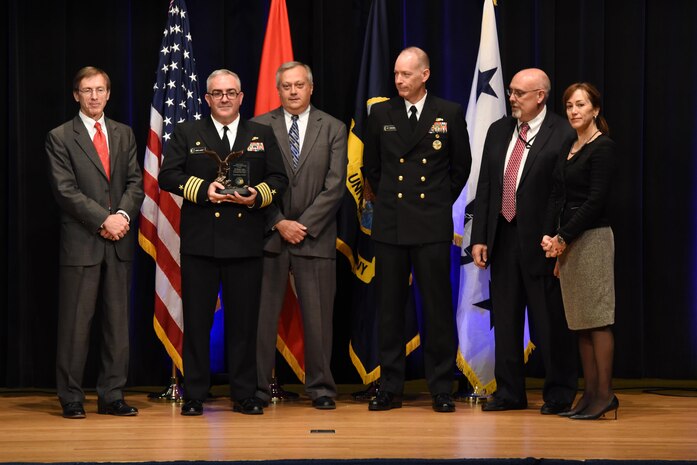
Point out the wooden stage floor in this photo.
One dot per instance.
(656, 424)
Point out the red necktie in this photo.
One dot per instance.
(510, 176)
(102, 149)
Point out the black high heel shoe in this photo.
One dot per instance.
(574, 411)
(612, 406)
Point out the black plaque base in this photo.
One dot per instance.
(243, 191)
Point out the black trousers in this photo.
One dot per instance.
(431, 266)
(240, 281)
(513, 289)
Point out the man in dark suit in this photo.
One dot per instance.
(222, 236)
(417, 160)
(98, 185)
(515, 183)
(301, 231)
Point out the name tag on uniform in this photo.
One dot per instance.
(389, 128)
(197, 150)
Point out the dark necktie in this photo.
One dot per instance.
(294, 136)
(99, 142)
(226, 141)
(412, 118)
(510, 176)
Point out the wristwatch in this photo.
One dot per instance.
(561, 239)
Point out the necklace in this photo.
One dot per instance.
(572, 153)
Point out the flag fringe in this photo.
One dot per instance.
(528, 350)
(472, 377)
(171, 351)
(474, 380)
(374, 375)
(290, 358)
(367, 378)
(346, 250)
(147, 246)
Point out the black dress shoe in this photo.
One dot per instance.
(499, 405)
(73, 410)
(385, 400)
(118, 407)
(249, 406)
(324, 403)
(443, 402)
(192, 408)
(554, 408)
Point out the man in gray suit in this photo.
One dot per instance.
(96, 180)
(302, 231)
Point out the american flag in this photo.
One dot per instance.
(176, 99)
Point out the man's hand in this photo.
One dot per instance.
(291, 231)
(480, 255)
(215, 197)
(248, 201)
(115, 227)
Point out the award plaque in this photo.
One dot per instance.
(234, 176)
(239, 178)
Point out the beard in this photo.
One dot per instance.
(516, 113)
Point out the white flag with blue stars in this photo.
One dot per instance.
(486, 104)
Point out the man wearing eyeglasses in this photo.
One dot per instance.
(222, 236)
(301, 231)
(98, 185)
(515, 181)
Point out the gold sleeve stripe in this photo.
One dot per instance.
(265, 191)
(191, 188)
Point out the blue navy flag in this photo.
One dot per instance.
(356, 212)
(176, 99)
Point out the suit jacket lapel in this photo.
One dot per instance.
(546, 129)
(243, 136)
(314, 123)
(502, 151)
(278, 124)
(114, 142)
(211, 139)
(428, 116)
(398, 116)
(82, 138)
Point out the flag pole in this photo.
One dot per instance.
(175, 99)
(173, 392)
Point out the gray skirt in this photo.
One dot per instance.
(587, 278)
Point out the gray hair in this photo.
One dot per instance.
(219, 72)
(290, 65)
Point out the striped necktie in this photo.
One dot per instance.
(294, 136)
(510, 176)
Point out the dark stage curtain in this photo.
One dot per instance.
(641, 54)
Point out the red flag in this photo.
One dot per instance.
(175, 99)
(277, 50)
